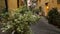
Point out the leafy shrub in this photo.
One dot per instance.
(37, 10)
(3, 14)
(54, 17)
(21, 21)
(58, 20)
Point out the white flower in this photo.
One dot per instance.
(15, 19)
(33, 15)
(19, 30)
(3, 30)
(8, 26)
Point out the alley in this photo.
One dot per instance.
(43, 27)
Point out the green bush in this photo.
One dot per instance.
(20, 22)
(54, 17)
(3, 14)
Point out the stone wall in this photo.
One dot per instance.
(12, 4)
(51, 4)
(2, 4)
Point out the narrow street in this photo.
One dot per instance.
(43, 27)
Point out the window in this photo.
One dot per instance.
(46, 4)
(58, 1)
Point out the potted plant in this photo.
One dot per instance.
(20, 22)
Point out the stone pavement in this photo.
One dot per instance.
(43, 27)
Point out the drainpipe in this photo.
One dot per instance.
(6, 5)
(17, 3)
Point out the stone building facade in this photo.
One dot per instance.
(45, 4)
